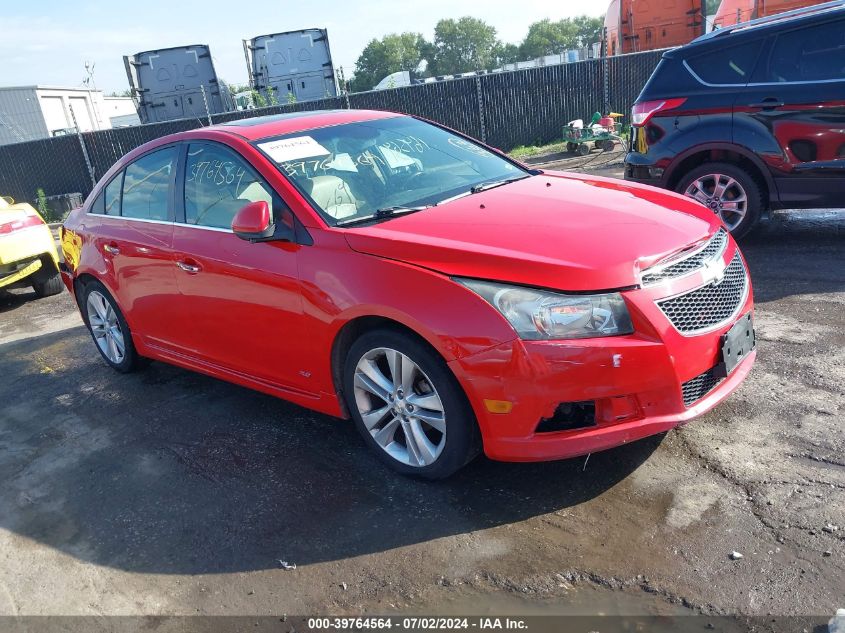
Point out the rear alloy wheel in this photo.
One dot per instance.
(108, 328)
(728, 191)
(408, 406)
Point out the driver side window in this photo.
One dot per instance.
(218, 184)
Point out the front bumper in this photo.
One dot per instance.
(634, 382)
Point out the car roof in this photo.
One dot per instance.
(762, 26)
(256, 128)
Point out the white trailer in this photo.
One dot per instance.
(291, 66)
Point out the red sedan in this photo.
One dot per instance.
(374, 266)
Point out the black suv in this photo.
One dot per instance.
(749, 118)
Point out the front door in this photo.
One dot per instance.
(243, 298)
(797, 97)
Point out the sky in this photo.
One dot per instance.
(47, 42)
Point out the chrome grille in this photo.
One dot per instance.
(711, 305)
(687, 263)
(696, 388)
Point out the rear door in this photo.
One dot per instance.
(243, 298)
(132, 221)
(797, 100)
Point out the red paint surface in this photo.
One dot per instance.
(266, 315)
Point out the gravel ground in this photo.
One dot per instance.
(168, 492)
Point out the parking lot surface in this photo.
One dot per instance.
(168, 492)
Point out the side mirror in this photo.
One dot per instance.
(252, 222)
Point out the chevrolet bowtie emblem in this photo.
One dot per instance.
(714, 272)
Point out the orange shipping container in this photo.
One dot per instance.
(642, 25)
(735, 11)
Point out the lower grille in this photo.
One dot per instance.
(711, 305)
(696, 388)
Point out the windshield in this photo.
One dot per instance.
(354, 170)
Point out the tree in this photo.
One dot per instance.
(463, 45)
(506, 54)
(390, 54)
(589, 30)
(547, 38)
(236, 88)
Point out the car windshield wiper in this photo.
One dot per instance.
(484, 186)
(381, 214)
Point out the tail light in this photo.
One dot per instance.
(20, 222)
(642, 112)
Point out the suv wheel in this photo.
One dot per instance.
(728, 191)
(408, 406)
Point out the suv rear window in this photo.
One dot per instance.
(815, 53)
(728, 65)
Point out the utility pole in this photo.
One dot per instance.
(605, 65)
(205, 103)
(82, 145)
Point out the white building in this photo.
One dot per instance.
(121, 111)
(33, 112)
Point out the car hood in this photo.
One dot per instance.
(555, 230)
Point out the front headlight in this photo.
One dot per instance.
(545, 315)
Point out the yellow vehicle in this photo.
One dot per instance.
(27, 251)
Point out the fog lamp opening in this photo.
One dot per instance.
(569, 416)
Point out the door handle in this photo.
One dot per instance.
(769, 103)
(188, 268)
(111, 249)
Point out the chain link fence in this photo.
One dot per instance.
(505, 110)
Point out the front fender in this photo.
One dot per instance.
(340, 285)
(671, 171)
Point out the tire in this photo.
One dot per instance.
(583, 149)
(608, 145)
(52, 286)
(431, 453)
(94, 296)
(571, 147)
(737, 185)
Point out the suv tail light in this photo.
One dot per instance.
(20, 222)
(642, 112)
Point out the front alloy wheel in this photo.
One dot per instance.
(408, 406)
(400, 407)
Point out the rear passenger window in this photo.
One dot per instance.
(146, 185)
(112, 195)
(99, 204)
(815, 53)
(218, 184)
(730, 65)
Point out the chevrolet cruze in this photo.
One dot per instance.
(373, 266)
